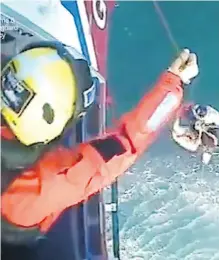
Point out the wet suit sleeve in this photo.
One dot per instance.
(64, 177)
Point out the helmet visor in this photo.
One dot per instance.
(14, 93)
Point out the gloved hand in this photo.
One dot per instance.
(185, 66)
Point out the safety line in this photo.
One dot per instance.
(166, 26)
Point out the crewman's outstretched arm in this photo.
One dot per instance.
(156, 108)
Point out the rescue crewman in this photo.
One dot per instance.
(62, 177)
(44, 90)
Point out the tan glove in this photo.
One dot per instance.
(185, 66)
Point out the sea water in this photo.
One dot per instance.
(169, 202)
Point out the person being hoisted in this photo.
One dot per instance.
(39, 188)
(197, 129)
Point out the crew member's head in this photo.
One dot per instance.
(200, 111)
(40, 92)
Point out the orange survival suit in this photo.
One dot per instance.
(64, 177)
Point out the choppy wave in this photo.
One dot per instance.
(169, 209)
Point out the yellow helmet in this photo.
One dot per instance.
(40, 92)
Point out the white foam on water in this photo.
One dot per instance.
(169, 209)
